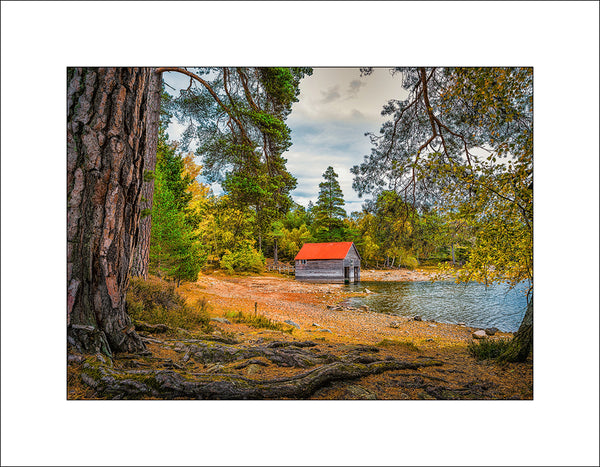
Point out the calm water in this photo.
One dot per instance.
(447, 302)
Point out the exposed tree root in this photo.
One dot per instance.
(169, 384)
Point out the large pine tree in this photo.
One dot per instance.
(110, 131)
(329, 212)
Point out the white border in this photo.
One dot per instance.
(40, 39)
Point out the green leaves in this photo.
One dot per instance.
(328, 212)
(175, 252)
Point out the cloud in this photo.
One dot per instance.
(354, 88)
(332, 94)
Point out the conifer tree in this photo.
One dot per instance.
(175, 252)
(328, 212)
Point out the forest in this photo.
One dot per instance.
(448, 184)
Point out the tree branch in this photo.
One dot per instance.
(212, 93)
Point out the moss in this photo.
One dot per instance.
(93, 368)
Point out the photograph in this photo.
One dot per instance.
(300, 233)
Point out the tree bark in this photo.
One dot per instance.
(275, 259)
(522, 343)
(139, 266)
(107, 112)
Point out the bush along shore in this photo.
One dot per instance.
(270, 337)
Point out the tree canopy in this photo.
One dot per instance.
(463, 141)
(329, 212)
(236, 118)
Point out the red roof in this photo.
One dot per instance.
(336, 250)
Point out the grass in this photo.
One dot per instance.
(257, 320)
(488, 349)
(407, 345)
(155, 301)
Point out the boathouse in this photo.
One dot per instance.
(328, 262)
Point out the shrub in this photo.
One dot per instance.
(394, 343)
(246, 259)
(488, 349)
(155, 301)
(258, 321)
(408, 261)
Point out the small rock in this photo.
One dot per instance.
(418, 318)
(330, 307)
(394, 324)
(433, 326)
(364, 308)
(291, 323)
(326, 330)
(221, 320)
(479, 334)
(461, 324)
(316, 325)
(429, 340)
(491, 331)
(368, 291)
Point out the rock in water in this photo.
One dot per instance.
(491, 331)
(479, 334)
(418, 318)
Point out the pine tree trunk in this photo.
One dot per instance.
(139, 265)
(275, 259)
(107, 111)
(522, 343)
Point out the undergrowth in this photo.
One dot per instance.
(257, 320)
(488, 349)
(155, 301)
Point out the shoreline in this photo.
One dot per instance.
(401, 275)
(319, 308)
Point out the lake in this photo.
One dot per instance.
(447, 302)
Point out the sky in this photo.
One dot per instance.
(335, 108)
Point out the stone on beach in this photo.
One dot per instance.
(479, 334)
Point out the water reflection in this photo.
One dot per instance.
(471, 303)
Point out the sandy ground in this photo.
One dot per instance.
(396, 275)
(309, 305)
